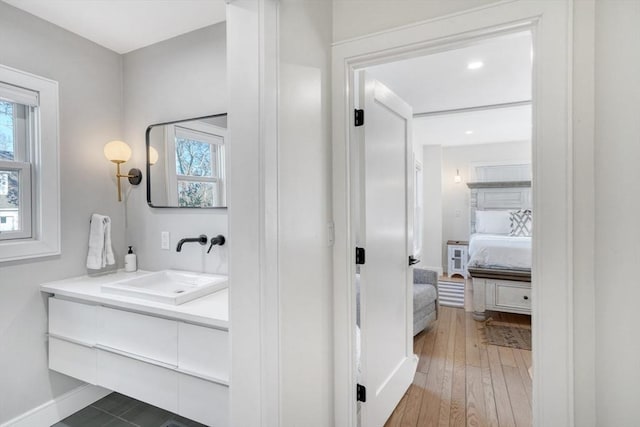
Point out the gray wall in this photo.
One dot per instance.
(180, 78)
(90, 88)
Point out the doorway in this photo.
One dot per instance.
(550, 189)
(471, 133)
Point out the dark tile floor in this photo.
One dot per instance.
(117, 410)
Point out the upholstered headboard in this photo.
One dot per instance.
(506, 195)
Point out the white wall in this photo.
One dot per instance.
(617, 238)
(432, 186)
(353, 18)
(90, 91)
(183, 77)
(304, 164)
(583, 214)
(455, 197)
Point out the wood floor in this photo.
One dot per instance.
(462, 382)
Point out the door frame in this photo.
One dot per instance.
(552, 282)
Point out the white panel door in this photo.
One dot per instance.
(385, 230)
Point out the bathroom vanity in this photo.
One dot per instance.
(171, 354)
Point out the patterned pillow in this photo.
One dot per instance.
(521, 223)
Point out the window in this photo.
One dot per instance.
(16, 121)
(29, 200)
(197, 152)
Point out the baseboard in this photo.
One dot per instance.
(59, 408)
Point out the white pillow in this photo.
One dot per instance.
(493, 222)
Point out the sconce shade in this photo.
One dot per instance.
(457, 179)
(117, 151)
(153, 156)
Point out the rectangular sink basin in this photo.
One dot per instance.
(172, 287)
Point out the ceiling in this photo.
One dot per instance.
(442, 81)
(478, 127)
(126, 25)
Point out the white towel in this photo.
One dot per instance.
(100, 251)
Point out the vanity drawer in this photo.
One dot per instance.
(72, 359)
(150, 383)
(203, 401)
(146, 336)
(72, 320)
(511, 296)
(203, 351)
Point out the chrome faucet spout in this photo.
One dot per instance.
(202, 239)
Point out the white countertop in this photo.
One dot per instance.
(209, 310)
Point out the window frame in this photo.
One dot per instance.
(44, 172)
(25, 197)
(173, 178)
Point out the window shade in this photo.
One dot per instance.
(18, 95)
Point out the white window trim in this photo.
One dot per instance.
(45, 174)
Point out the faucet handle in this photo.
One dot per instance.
(218, 240)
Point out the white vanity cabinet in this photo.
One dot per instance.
(169, 363)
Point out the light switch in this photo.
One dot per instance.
(164, 240)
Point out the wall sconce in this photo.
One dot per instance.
(119, 152)
(457, 179)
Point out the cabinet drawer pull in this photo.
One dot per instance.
(526, 297)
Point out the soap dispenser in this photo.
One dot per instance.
(130, 261)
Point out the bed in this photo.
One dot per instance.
(500, 247)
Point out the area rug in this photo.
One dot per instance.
(508, 336)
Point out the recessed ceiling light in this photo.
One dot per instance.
(475, 65)
(469, 132)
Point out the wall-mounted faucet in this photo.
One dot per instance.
(218, 240)
(202, 239)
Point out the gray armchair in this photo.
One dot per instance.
(425, 299)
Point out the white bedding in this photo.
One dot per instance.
(499, 251)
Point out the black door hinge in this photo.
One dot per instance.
(361, 393)
(358, 117)
(359, 255)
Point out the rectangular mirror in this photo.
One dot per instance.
(186, 163)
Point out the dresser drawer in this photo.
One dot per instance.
(203, 351)
(72, 320)
(150, 383)
(510, 296)
(146, 336)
